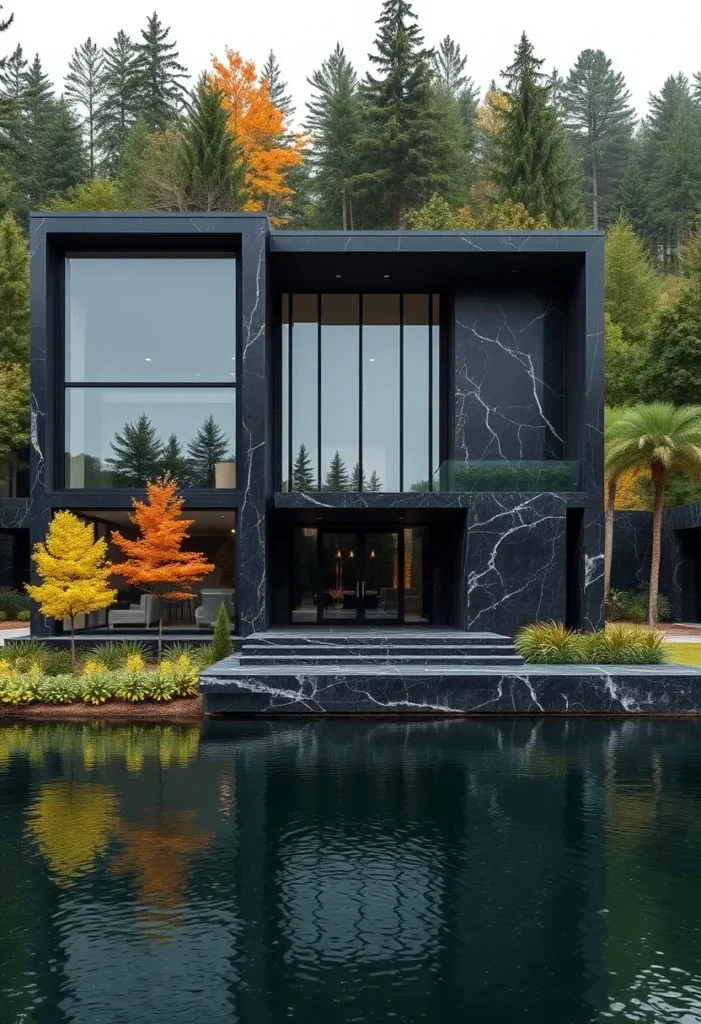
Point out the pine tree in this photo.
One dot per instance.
(278, 89)
(119, 110)
(632, 291)
(303, 472)
(556, 87)
(13, 74)
(14, 293)
(138, 453)
(131, 165)
(37, 105)
(159, 76)
(403, 149)
(14, 411)
(85, 90)
(65, 161)
(212, 178)
(209, 446)
(337, 476)
(534, 164)
(672, 163)
(374, 483)
(600, 119)
(333, 122)
(174, 462)
(633, 196)
(356, 484)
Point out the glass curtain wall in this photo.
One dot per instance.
(150, 371)
(360, 391)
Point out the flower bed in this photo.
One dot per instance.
(31, 673)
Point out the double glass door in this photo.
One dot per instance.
(359, 576)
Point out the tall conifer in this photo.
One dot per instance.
(212, 178)
(598, 115)
(119, 110)
(160, 76)
(535, 165)
(85, 91)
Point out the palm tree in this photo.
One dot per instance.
(658, 438)
(611, 415)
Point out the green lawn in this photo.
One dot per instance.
(686, 654)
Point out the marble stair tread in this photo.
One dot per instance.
(442, 648)
(434, 659)
(217, 676)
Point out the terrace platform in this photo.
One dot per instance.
(366, 671)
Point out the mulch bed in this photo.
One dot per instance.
(13, 624)
(190, 709)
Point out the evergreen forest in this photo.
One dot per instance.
(412, 143)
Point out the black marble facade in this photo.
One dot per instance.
(522, 358)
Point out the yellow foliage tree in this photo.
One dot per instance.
(75, 572)
(628, 494)
(489, 215)
(258, 127)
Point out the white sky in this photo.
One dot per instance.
(646, 41)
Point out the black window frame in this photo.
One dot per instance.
(62, 386)
(434, 426)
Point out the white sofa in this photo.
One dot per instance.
(206, 613)
(145, 613)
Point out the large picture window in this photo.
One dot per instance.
(150, 371)
(361, 386)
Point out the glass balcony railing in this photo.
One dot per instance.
(503, 475)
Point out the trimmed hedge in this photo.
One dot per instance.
(543, 477)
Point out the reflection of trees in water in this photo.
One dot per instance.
(156, 853)
(71, 823)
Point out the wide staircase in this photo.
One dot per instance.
(324, 648)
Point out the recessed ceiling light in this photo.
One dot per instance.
(386, 276)
(338, 275)
(147, 359)
(372, 359)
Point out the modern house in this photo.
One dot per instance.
(369, 428)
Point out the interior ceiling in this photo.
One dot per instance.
(207, 521)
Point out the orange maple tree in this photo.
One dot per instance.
(156, 562)
(258, 126)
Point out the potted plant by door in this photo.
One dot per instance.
(336, 596)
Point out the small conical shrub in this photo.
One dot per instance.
(221, 642)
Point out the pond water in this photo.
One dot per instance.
(351, 871)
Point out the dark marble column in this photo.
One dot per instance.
(252, 583)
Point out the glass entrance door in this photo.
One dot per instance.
(378, 577)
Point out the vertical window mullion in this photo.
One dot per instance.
(318, 391)
(290, 328)
(360, 391)
(401, 391)
(430, 391)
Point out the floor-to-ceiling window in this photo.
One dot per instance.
(150, 370)
(361, 387)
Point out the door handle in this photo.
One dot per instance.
(363, 586)
(357, 590)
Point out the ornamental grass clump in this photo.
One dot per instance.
(182, 676)
(548, 643)
(551, 643)
(624, 645)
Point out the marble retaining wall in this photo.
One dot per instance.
(557, 689)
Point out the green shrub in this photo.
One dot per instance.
(183, 675)
(160, 686)
(60, 689)
(551, 643)
(57, 662)
(131, 685)
(97, 686)
(136, 648)
(3, 616)
(539, 476)
(221, 641)
(548, 643)
(177, 650)
(203, 656)
(20, 686)
(24, 615)
(12, 602)
(632, 605)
